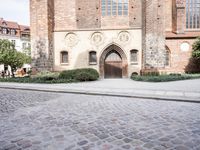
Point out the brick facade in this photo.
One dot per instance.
(42, 26)
(71, 25)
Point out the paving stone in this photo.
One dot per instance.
(148, 145)
(9, 147)
(126, 146)
(182, 148)
(41, 120)
(82, 142)
(103, 136)
(127, 140)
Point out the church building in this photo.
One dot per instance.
(115, 37)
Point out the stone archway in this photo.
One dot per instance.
(117, 68)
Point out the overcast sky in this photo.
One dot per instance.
(15, 10)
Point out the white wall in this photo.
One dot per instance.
(82, 43)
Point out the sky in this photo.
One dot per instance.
(15, 10)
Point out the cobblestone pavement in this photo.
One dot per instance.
(40, 121)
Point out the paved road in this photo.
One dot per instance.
(40, 121)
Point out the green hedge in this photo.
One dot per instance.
(86, 74)
(165, 78)
(35, 80)
(77, 75)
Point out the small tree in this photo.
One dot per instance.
(196, 49)
(27, 51)
(9, 56)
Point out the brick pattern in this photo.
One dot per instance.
(42, 25)
(135, 8)
(154, 34)
(153, 16)
(179, 23)
(88, 14)
(65, 15)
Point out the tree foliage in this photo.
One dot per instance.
(196, 49)
(11, 57)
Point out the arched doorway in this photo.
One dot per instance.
(113, 63)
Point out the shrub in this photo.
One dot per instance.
(46, 76)
(165, 78)
(151, 73)
(196, 49)
(175, 74)
(134, 74)
(86, 74)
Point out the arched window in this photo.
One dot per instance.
(114, 7)
(192, 14)
(167, 57)
(134, 56)
(92, 57)
(64, 57)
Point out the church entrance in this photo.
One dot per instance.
(113, 63)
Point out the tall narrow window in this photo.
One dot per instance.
(103, 7)
(134, 56)
(13, 42)
(4, 31)
(167, 58)
(193, 14)
(12, 32)
(23, 45)
(64, 57)
(125, 9)
(92, 57)
(114, 7)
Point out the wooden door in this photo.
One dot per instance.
(113, 65)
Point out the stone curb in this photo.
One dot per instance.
(113, 94)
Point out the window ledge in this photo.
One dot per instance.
(134, 63)
(64, 64)
(92, 63)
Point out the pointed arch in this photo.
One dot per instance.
(115, 49)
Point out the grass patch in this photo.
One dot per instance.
(165, 78)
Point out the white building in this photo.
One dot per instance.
(19, 35)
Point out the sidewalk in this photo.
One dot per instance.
(187, 90)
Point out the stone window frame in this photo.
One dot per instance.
(13, 32)
(61, 58)
(192, 22)
(4, 31)
(136, 52)
(110, 9)
(92, 61)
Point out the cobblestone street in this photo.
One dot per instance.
(39, 120)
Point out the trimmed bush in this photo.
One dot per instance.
(86, 74)
(47, 76)
(68, 76)
(165, 78)
(134, 74)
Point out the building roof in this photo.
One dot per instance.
(8, 24)
(20, 29)
(13, 25)
(24, 28)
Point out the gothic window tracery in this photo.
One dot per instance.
(193, 14)
(114, 7)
